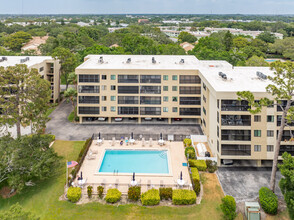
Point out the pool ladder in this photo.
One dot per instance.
(115, 172)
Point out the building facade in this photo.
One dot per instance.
(47, 67)
(139, 88)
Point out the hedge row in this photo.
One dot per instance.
(196, 179)
(199, 164)
(190, 151)
(184, 197)
(268, 201)
(151, 197)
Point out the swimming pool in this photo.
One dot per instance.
(138, 161)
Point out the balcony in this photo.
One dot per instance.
(150, 79)
(279, 118)
(128, 89)
(286, 148)
(190, 111)
(89, 110)
(236, 120)
(150, 89)
(149, 100)
(89, 89)
(89, 99)
(128, 79)
(189, 79)
(236, 135)
(190, 100)
(128, 100)
(235, 150)
(150, 111)
(234, 105)
(128, 110)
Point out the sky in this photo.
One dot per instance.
(146, 6)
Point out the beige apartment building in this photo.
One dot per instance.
(47, 67)
(138, 88)
(169, 88)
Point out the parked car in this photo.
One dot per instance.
(101, 119)
(118, 119)
(132, 118)
(160, 119)
(148, 119)
(178, 119)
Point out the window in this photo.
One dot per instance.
(257, 148)
(150, 111)
(175, 99)
(128, 78)
(217, 131)
(150, 78)
(217, 117)
(103, 98)
(150, 89)
(270, 133)
(89, 89)
(217, 103)
(190, 90)
(190, 100)
(165, 88)
(204, 122)
(204, 110)
(128, 100)
(204, 98)
(89, 110)
(112, 108)
(150, 100)
(257, 133)
(269, 148)
(112, 87)
(112, 77)
(104, 108)
(89, 78)
(165, 77)
(217, 145)
(175, 77)
(190, 111)
(257, 118)
(112, 98)
(189, 79)
(165, 109)
(175, 88)
(41, 69)
(103, 87)
(89, 99)
(165, 98)
(104, 77)
(175, 109)
(204, 86)
(128, 89)
(270, 118)
(128, 110)
(236, 149)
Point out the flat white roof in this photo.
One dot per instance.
(238, 79)
(33, 60)
(170, 62)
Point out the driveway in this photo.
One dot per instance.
(244, 183)
(65, 130)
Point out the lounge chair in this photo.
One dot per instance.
(161, 183)
(150, 142)
(143, 142)
(90, 156)
(93, 151)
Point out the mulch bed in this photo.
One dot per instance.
(5, 192)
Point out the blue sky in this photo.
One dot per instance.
(147, 6)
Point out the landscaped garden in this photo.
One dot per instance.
(43, 199)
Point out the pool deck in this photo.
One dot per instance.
(121, 181)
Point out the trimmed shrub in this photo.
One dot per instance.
(196, 180)
(74, 194)
(211, 166)
(112, 196)
(191, 152)
(165, 193)
(199, 164)
(187, 142)
(184, 197)
(151, 197)
(90, 191)
(228, 207)
(134, 193)
(100, 190)
(268, 201)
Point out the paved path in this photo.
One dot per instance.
(244, 183)
(65, 130)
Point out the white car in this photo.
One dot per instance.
(118, 119)
(101, 119)
(148, 119)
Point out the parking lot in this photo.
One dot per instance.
(65, 130)
(244, 183)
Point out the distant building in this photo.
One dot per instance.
(34, 44)
(187, 46)
(143, 21)
(47, 67)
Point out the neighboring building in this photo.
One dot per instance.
(143, 21)
(48, 68)
(187, 46)
(34, 44)
(139, 87)
(173, 87)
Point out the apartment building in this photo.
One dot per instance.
(46, 66)
(232, 132)
(138, 87)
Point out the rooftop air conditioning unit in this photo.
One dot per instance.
(153, 60)
(129, 60)
(100, 60)
(4, 58)
(261, 75)
(223, 75)
(182, 61)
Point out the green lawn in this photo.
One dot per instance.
(43, 201)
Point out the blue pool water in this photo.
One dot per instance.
(138, 161)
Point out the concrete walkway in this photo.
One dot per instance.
(65, 130)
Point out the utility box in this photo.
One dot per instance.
(252, 210)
